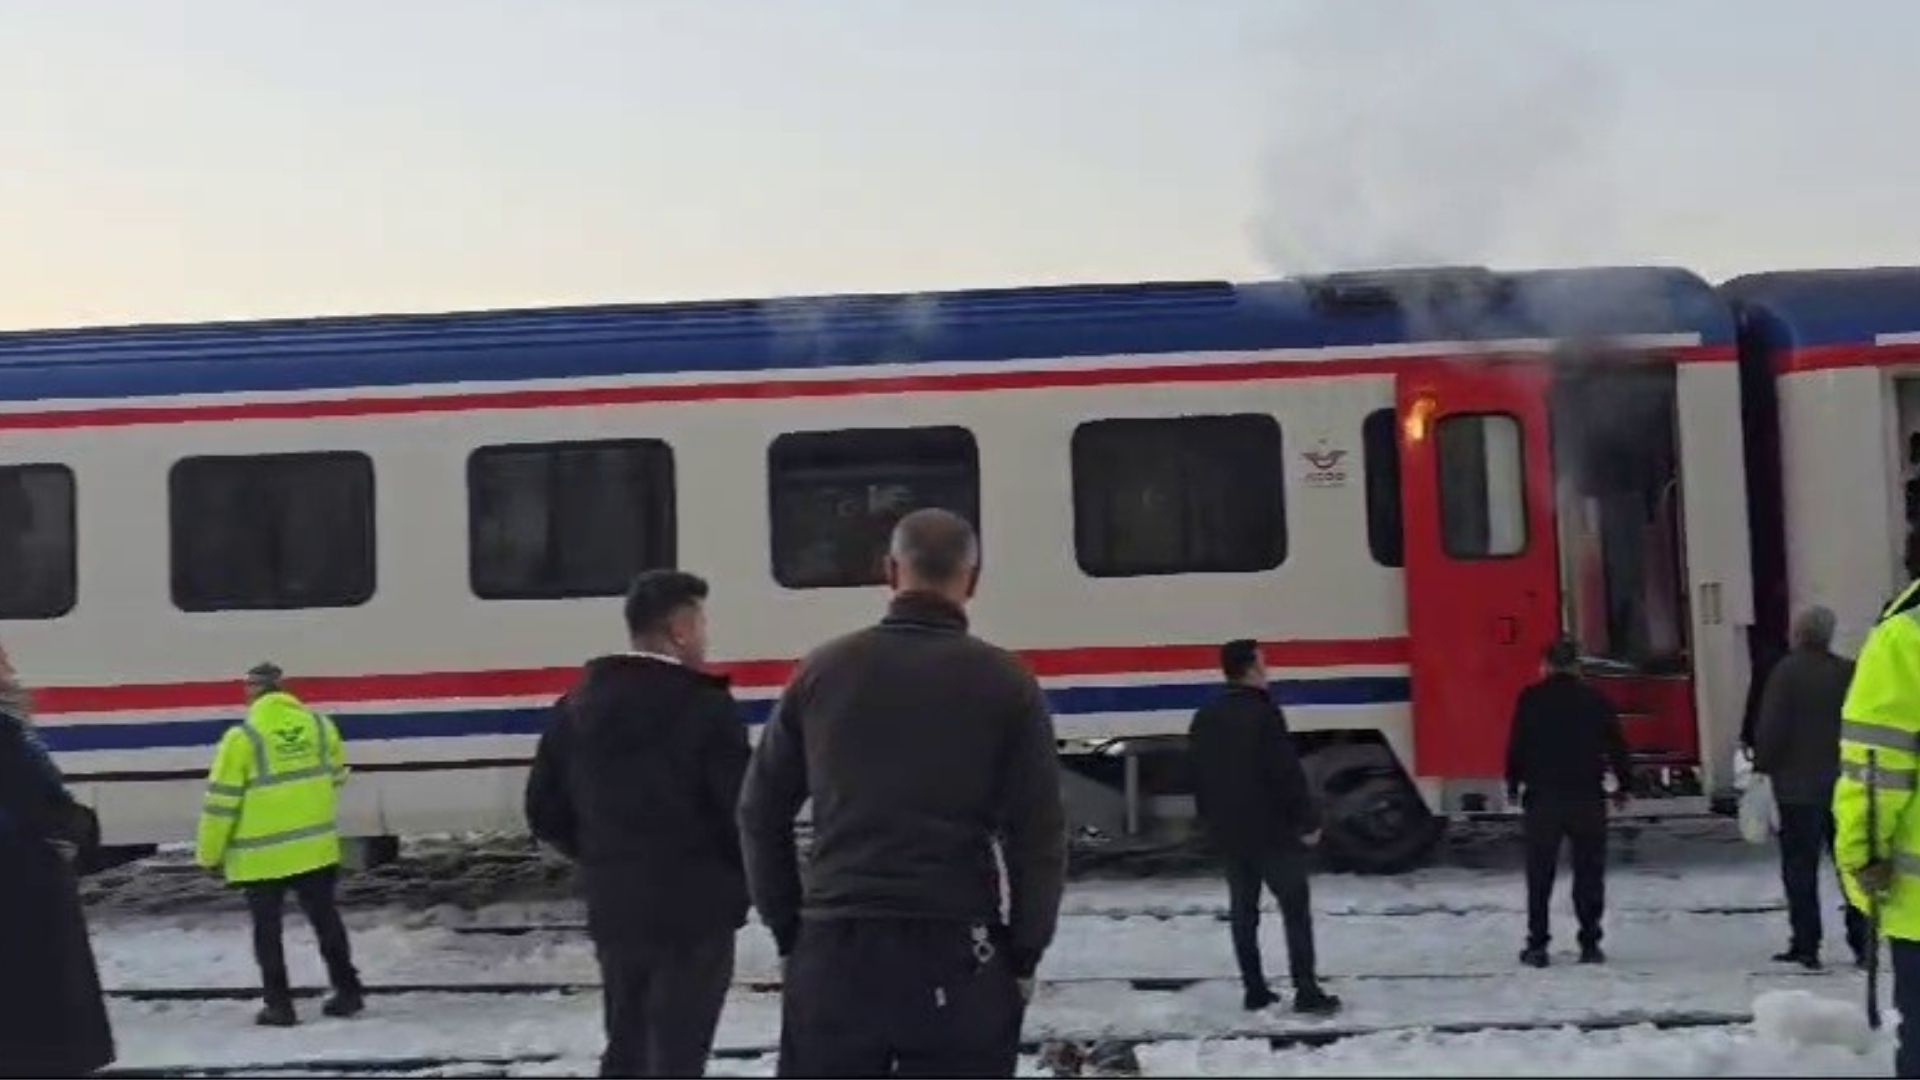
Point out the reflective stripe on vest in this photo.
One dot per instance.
(1883, 779)
(260, 771)
(231, 791)
(1905, 594)
(1906, 863)
(312, 773)
(1886, 738)
(272, 839)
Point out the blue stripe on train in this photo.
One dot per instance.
(1066, 701)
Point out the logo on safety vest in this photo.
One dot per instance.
(292, 742)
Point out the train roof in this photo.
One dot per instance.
(1369, 309)
(1800, 309)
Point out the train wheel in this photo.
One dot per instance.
(1375, 820)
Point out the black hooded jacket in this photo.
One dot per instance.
(1251, 792)
(637, 777)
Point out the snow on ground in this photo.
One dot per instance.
(1629, 1052)
(1690, 929)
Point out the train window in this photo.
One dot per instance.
(272, 532)
(836, 495)
(37, 548)
(568, 519)
(1483, 502)
(1194, 494)
(1379, 439)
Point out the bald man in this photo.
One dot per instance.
(930, 759)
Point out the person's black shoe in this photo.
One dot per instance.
(1255, 1000)
(1808, 960)
(277, 1014)
(1534, 956)
(344, 1003)
(1314, 1001)
(1591, 954)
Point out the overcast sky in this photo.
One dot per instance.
(169, 160)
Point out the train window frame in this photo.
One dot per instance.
(1443, 486)
(1383, 486)
(366, 557)
(69, 598)
(786, 447)
(664, 510)
(1088, 485)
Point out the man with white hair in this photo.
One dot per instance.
(924, 750)
(1797, 745)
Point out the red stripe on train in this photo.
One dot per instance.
(1843, 357)
(775, 389)
(749, 674)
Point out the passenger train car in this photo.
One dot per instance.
(1404, 484)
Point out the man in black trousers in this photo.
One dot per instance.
(637, 779)
(1253, 799)
(1565, 735)
(930, 758)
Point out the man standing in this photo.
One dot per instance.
(1797, 744)
(269, 821)
(637, 778)
(923, 749)
(53, 1018)
(1879, 755)
(1564, 735)
(1254, 801)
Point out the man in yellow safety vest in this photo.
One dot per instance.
(268, 822)
(1879, 753)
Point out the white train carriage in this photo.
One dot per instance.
(427, 519)
(1833, 363)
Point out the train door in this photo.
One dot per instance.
(1623, 592)
(1481, 563)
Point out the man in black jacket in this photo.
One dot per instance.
(637, 779)
(1565, 734)
(923, 749)
(1797, 744)
(1253, 799)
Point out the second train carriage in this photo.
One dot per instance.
(1833, 365)
(1404, 484)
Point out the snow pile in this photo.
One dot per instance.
(1800, 1018)
(1642, 1051)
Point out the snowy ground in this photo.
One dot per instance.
(1425, 963)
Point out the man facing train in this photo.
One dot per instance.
(269, 823)
(636, 778)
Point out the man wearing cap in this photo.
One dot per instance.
(269, 823)
(1565, 737)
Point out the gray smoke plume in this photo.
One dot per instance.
(1392, 140)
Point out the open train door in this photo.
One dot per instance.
(1482, 568)
(1713, 489)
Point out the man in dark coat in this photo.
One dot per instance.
(637, 779)
(1254, 801)
(53, 1019)
(930, 758)
(1797, 745)
(1565, 735)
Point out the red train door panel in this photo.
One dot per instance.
(1481, 566)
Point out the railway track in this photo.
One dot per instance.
(1065, 1055)
(1150, 984)
(1216, 912)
